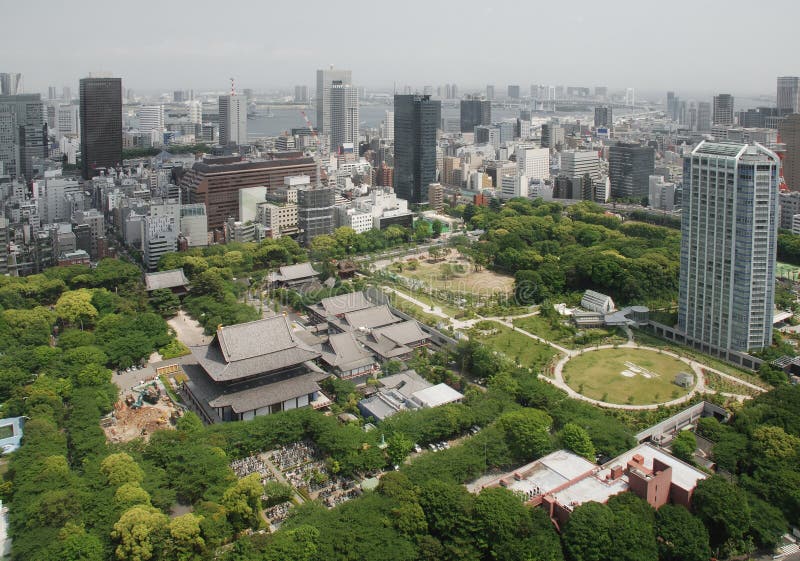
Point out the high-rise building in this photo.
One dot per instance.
(533, 163)
(789, 130)
(723, 110)
(151, 118)
(67, 120)
(343, 115)
(513, 91)
(552, 135)
(436, 196)
(788, 96)
(196, 112)
(301, 94)
(10, 83)
(575, 164)
(662, 194)
(703, 116)
(52, 93)
(629, 169)
(671, 105)
(388, 125)
(416, 119)
(603, 116)
(728, 238)
(315, 212)
(490, 92)
(630, 97)
(474, 112)
(232, 120)
(325, 79)
(23, 133)
(66, 94)
(101, 124)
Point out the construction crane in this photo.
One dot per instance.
(312, 130)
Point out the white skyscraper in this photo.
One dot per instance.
(343, 115)
(575, 164)
(151, 118)
(195, 112)
(232, 119)
(325, 79)
(630, 97)
(533, 163)
(67, 120)
(728, 245)
(388, 125)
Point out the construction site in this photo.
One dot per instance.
(142, 410)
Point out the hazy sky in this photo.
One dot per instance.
(687, 45)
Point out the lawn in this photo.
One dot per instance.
(516, 346)
(646, 378)
(560, 331)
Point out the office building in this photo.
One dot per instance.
(789, 130)
(513, 185)
(728, 238)
(215, 182)
(160, 230)
(194, 224)
(533, 163)
(89, 227)
(67, 120)
(474, 112)
(151, 118)
(101, 124)
(416, 119)
(315, 212)
(387, 126)
(723, 110)
(10, 83)
(552, 136)
(325, 79)
(788, 95)
(513, 91)
(23, 133)
(629, 169)
(343, 115)
(603, 116)
(703, 116)
(301, 94)
(575, 164)
(195, 112)
(436, 196)
(662, 194)
(490, 92)
(232, 120)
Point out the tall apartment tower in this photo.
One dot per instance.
(315, 212)
(474, 112)
(723, 109)
(629, 169)
(728, 237)
(23, 133)
(703, 116)
(789, 130)
(325, 79)
(788, 95)
(343, 115)
(416, 120)
(603, 116)
(232, 120)
(10, 83)
(101, 124)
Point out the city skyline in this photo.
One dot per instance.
(611, 45)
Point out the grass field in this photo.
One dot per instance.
(565, 334)
(600, 375)
(785, 270)
(518, 347)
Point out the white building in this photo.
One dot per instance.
(195, 112)
(325, 79)
(513, 186)
(661, 194)
(576, 164)
(359, 220)
(67, 119)
(280, 218)
(343, 115)
(533, 163)
(387, 127)
(151, 118)
(232, 120)
(51, 196)
(249, 199)
(160, 229)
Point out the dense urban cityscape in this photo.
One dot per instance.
(510, 320)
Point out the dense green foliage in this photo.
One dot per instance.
(552, 253)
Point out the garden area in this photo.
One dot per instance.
(626, 376)
(561, 331)
(514, 346)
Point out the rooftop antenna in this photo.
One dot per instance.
(233, 87)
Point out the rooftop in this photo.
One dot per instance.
(342, 304)
(437, 395)
(294, 272)
(543, 475)
(165, 279)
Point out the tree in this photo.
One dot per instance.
(121, 468)
(767, 523)
(723, 508)
(436, 228)
(774, 444)
(680, 536)
(500, 517)
(79, 545)
(527, 432)
(131, 494)
(422, 230)
(140, 533)
(587, 533)
(242, 501)
(296, 544)
(75, 308)
(632, 536)
(93, 375)
(575, 438)
(684, 445)
(398, 446)
(185, 540)
(409, 519)
(165, 302)
(189, 423)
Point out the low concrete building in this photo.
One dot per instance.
(404, 391)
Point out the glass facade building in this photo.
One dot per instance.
(101, 124)
(416, 120)
(728, 243)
